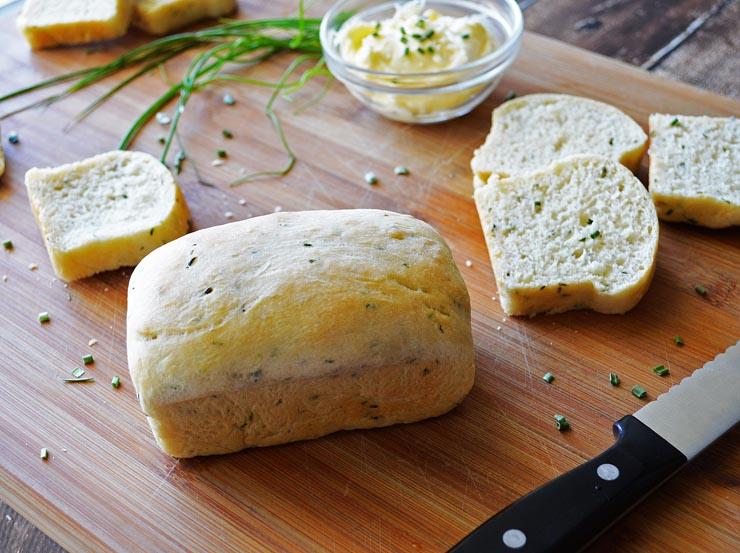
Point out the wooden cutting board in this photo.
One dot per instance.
(417, 487)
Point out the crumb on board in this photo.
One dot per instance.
(229, 215)
(468, 263)
(278, 209)
(33, 266)
(242, 201)
(91, 342)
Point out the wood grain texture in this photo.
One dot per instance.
(419, 487)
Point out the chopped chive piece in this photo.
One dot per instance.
(595, 234)
(678, 340)
(561, 423)
(538, 206)
(700, 290)
(604, 172)
(404, 40)
(227, 133)
(77, 372)
(8, 244)
(371, 178)
(400, 170)
(510, 95)
(403, 31)
(420, 50)
(13, 138)
(116, 382)
(421, 23)
(430, 50)
(638, 391)
(406, 51)
(88, 359)
(674, 123)
(614, 379)
(73, 380)
(179, 159)
(661, 370)
(44, 454)
(466, 36)
(417, 36)
(548, 377)
(162, 140)
(222, 154)
(44, 317)
(229, 100)
(590, 221)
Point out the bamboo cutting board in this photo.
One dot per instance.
(417, 487)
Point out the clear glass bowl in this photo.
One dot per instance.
(426, 97)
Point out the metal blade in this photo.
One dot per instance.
(702, 407)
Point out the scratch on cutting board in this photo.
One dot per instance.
(524, 345)
(165, 479)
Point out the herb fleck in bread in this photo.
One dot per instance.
(160, 17)
(695, 169)
(582, 233)
(105, 212)
(48, 23)
(530, 132)
(294, 325)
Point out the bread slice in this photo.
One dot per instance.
(159, 17)
(294, 325)
(695, 169)
(582, 233)
(530, 132)
(105, 212)
(48, 23)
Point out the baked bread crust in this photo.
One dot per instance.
(295, 325)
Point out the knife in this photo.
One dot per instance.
(568, 513)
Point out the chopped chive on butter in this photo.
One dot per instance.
(44, 454)
(44, 317)
(13, 138)
(227, 133)
(638, 391)
(466, 36)
(8, 244)
(116, 382)
(595, 234)
(538, 206)
(548, 377)
(678, 340)
(371, 178)
(614, 379)
(700, 290)
(675, 123)
(229, 100)
(77, 372)
(88, 359)
(406, 51)
(561, 423)
(222, 154)
(401, 170)
(420, 50)
(661, 370)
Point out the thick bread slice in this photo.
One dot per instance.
(294, 325)
(48, 23)
(582, 233)
(105, 212)
(530, 132)
(160, 17)
(695, 169)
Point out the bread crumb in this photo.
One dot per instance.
(498, 327)
(91, 342)
(493, 298)
(229, 215)
(242, 201)
(468, 263)
(278, 209)
(106, 289)
(5, 278)
(217, 162)
(33, 266)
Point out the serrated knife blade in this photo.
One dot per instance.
(702, 407)
(568, 513)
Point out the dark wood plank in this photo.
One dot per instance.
(17, 535)
(711, 57)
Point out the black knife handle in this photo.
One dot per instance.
(568, 513)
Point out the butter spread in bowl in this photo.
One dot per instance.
(421, 61)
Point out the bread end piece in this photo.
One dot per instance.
(105, 212)
(50, 23)
(694, 175)
(159, 17)
(581, 234)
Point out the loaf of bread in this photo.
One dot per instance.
(695, 169)
(105, 212)
(160, 17)
(48, 23)
(294, 325)
(582, 233)
(530, 132)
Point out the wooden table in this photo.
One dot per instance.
(690, 40)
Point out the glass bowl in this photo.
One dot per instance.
(425, 97)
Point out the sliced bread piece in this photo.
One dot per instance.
(48, 23)
(530, 132)
(695, 169)
(159, 17)
(582, 233)
(105, 212)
